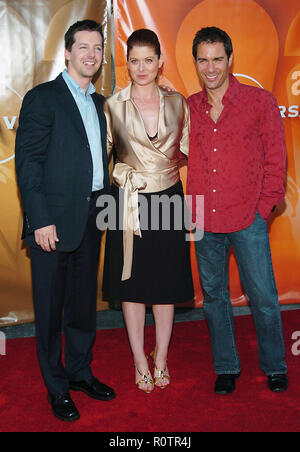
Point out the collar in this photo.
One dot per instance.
(125, 94)
(74, 87)
(232, 93)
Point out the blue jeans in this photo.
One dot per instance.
(252, 250)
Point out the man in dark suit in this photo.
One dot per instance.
(62, 168)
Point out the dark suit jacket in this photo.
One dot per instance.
(54, 163)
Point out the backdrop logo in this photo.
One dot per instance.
(249, 78)
(291, 111)
(6, 121)
(296, 84)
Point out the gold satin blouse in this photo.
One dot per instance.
(144, 165)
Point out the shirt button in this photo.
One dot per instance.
(215, 150)
(88, 199)
(214, 190)
(214, 170)
(215, 130)
(214, 210)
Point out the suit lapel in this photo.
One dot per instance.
(98, 101)
(101, 116)
(68, 103)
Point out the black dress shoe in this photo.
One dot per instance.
(278, 382)
(63, 407)
(95, 389)
(225, 383)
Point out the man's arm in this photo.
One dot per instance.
(35, 125)
(272, 135)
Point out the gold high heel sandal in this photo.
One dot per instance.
(145, 379)
(160, 374)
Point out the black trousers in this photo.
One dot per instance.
(65, 296)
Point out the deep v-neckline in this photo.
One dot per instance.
(155, 136)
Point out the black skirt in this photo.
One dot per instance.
(161, 267)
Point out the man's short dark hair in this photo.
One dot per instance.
(211, 35)
(83, 25)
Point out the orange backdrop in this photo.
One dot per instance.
(266, 40)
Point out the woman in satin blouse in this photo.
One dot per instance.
(148, 129)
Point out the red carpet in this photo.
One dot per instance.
(188, 405)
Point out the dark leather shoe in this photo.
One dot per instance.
(225, 384)
(95, 389)
(278, 382)
(63, 407)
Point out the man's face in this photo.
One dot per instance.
(86, 55)
(213, 66)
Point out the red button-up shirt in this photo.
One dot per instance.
(238, 163)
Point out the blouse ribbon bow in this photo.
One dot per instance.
(131, 182)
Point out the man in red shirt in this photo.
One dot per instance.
(237, 161)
